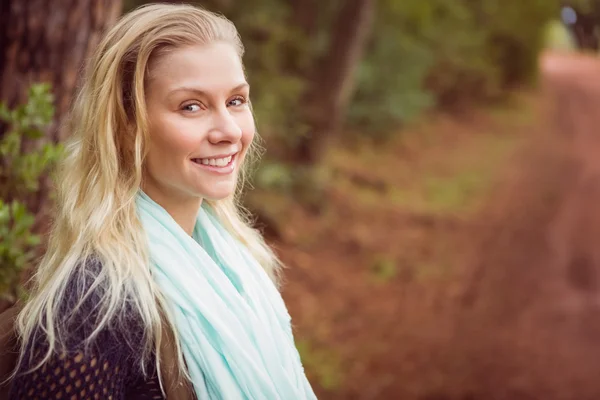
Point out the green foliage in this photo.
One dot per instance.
(17, 246)
(515, 35)
(274, 176)
(22, 164)
(306, 184)
(445, 53)
(389, 82)
(558, 37)
(462, 68)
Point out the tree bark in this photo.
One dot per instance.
(48, 41)
(333, 82)
(304, 15)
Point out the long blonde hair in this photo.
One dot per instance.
(102, 172)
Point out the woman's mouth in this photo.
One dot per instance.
(221, 165)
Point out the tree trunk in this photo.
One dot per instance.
(333, 82)
(304, 16)
(48, 41)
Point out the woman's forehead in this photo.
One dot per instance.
(202, 67)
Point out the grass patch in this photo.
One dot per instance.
(383, 269)
(454, 194)
(325, 365)
(446, 178)
(439, 167)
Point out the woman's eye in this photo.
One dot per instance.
(238, 101)
(193, 107)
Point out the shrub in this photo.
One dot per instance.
(24, 160)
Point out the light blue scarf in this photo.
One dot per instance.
(230, 319)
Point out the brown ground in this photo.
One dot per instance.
(413, 287)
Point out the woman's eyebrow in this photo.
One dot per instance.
(202, 92)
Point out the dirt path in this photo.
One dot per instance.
(395, 301)
(529, 322)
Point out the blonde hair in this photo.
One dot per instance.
(102, 173)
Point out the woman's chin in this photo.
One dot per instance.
(215, 195)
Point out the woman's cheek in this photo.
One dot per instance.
(248, 128)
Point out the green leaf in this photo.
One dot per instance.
(33, 133)
(33, 240)
(5, 113)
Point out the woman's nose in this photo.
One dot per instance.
(226, 128)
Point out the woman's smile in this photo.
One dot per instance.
(220, 164)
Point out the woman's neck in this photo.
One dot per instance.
(183, 209)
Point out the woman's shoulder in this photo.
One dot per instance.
(80, 324)
(81, 308)
(81, 319)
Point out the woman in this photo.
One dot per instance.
(153, 274)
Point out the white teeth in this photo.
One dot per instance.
(216, 162)
(221, 162)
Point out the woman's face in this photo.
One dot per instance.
(200, 123)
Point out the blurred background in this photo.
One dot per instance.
(430, 179)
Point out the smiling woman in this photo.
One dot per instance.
(154, 284)
(201, 127)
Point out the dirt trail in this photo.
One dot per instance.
(528, 326)
(501, 306)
